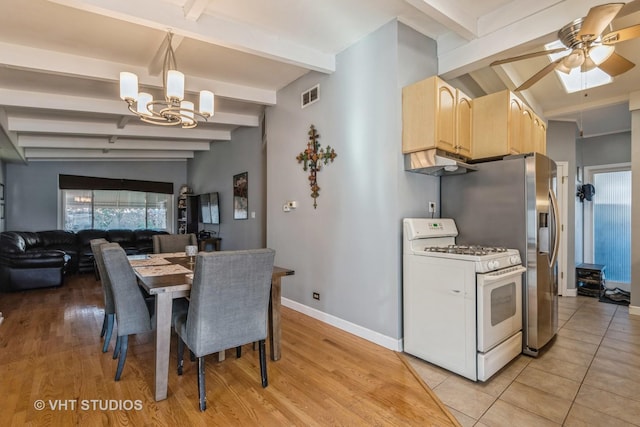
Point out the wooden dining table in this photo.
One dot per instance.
(169, 276)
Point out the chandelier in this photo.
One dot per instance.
(173, 110)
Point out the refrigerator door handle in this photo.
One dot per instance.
(556, 224)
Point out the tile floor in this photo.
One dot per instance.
(588, 375)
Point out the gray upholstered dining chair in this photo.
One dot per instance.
(132, 315)
(109, 306)
(228, 307)
(131, 311)
(167, 243)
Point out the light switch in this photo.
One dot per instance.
(253, 214)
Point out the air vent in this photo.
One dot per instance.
(310, 96)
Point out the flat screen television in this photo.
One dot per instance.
(209, 208)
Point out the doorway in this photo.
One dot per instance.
(607, 223)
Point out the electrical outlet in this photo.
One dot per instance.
(432, 207)
(316, 295)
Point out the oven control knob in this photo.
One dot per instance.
(493, 265)
(515, 259)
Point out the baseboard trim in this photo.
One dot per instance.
(352, 328)
(634, 309)
(570, 293)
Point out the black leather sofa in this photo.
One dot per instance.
(132, 241)
(40, 259)
(26, 262)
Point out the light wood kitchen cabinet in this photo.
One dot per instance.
(436, 115)
(504, 125)
(539, 136)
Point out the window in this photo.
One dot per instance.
(608, 223)
(111, 209)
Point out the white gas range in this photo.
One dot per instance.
(462, 305)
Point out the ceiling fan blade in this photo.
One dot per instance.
(616, 65)
(629, 8)
(597, 20)
(539, 75)
(529, 55)
(621, 35)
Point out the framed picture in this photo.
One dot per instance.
(1, 191)
(241, 196)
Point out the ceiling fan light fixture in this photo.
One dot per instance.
(600, 53)
(574, 59)
(563, 68)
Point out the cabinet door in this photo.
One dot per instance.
(464, 129)
(446, 117)
(527, 130)
(514, 132)
(540, 136)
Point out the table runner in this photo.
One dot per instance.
(148, 262)
(162, 270)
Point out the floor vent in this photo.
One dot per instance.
(310, 96)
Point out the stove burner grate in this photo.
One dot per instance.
(476, 250)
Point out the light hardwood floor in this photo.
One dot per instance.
(50, 354)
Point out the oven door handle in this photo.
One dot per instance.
(509, 272)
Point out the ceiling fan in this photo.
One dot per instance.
(586, 44)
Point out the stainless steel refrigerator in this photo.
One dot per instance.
(511, 203)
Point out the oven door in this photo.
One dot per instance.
(499, 302)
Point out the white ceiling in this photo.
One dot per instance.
(60, 62)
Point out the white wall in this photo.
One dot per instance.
(214, 170)
(32, 189)
(349, 248)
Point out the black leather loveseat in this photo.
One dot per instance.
(40, 259)
(30, 260)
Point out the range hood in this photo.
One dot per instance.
(435, 162)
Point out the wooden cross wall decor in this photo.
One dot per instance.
(312, 159)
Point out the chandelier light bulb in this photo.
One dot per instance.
(186, 109)
(206, 103)
(144, 106)
(128, 86)
(175, 85)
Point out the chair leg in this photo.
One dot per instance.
(263, 363)
(104, 325)
(239, 352)
(201, 388)
(116, 350)
(180, 355)
(124, 343)
(109, 319)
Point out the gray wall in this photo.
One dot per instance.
(605, 150)
(214, 170)
(32, 189)
(349, 248)
(561, 147)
